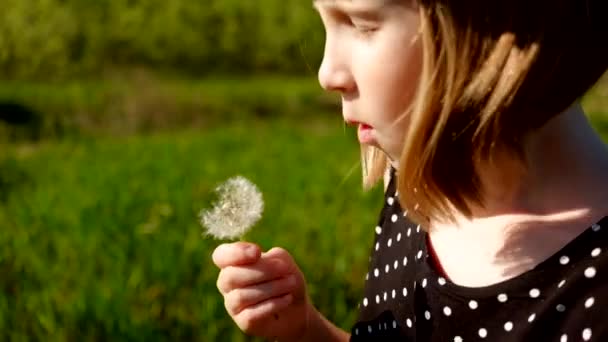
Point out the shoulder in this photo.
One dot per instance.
(583, 289)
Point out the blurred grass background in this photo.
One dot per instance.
(117, 120)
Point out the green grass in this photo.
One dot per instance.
(137, 102)
(100, 238)
(596, 105)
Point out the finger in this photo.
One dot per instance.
(237, 253)
(277, 252)
(233, 277)
(239, 299)
(251, 316)
(280, 253)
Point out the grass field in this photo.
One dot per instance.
(100, 238)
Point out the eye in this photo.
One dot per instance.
(366, 29)
(363, 26)
(359, 24)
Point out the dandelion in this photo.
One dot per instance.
(238, 208)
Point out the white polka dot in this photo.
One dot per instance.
(404, 261)
(356, 331)
(377, 299)
(385, 297)
(441, 281)
(378, 230)
(408, 322)
(377, 246)
(447, 311)
(590, 272)
(365, 302)
(394, 218)
(393, 293)
(596, 252)
(483, 333)
(589, 302)
(560, 307)
(534, 293)
(561, 283)
(390, 242)
(396, 264)
(369, 329)
(424, 282)
(396, 193)
(596, 227)
(404, 292)
(564, 260)
(418, 229)
(473, 305)
(380, 326)
(457, 339)
(587, 334)
(564, 338)
(398, 237)
(409, 232)
(394, 324)
(419, 255)
(366, 276)
(390, 201)
(502, 297)
(376, 273)
(531, 318)
(387, 268)
(427, 315)
(405, 213)
(508, 326)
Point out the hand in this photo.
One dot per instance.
(264, 293)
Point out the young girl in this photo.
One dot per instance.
(494, 225)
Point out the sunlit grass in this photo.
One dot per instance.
(101, 237)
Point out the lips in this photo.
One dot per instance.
(364, 131)
(353, 123)
(365, 134)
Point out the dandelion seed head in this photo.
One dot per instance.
(238, 208)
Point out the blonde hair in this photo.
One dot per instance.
(493, 72)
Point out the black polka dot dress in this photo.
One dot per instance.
(563, 299)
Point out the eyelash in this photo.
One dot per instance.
(363, 29)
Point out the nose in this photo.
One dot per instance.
(334, 72)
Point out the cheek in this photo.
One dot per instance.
(391, 78)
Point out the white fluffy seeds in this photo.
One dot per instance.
(238, 208)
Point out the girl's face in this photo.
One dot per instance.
(373, 58)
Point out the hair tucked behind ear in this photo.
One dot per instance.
(493, 72)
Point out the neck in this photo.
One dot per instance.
(565, 169)
(530, 211)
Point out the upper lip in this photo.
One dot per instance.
(351, 122)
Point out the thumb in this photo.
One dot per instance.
(235, 254)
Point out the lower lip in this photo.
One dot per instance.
(365, 134)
